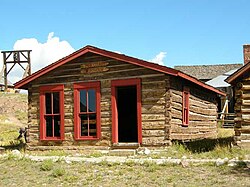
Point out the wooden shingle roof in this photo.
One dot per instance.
(205, 72)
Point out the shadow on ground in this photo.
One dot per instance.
(205, 145)
(20, 146)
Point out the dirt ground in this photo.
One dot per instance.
(13, 108)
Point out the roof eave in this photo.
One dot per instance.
(240, 72)
(196, 81)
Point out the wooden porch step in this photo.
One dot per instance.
(122, 152)
(125, 145)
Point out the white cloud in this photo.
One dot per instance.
(42, 54)
(158, 59)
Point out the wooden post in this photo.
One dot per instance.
(5, 73)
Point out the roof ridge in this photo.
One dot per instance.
(117, 56)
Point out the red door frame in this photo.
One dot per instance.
(125, 82)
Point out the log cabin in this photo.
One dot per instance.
(99, 98)
(240, 81)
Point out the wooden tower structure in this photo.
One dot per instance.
(11, 59)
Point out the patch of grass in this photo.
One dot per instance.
(151, 166)
(58, 172)
(223, 132)
(95, 154)
(47, 165)
(9, 138)
(21, 116)
(71, 178)
(54, 153)
(28, 173)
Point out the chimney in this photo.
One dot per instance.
(246, 53)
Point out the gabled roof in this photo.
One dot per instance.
(219, 81)
(91, 49)
(206, 72)
(239, 73)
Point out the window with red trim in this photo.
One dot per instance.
(185, 106)
(52, 112)
(87, 110)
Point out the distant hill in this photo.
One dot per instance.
(13, 110)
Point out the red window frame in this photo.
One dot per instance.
(77, 127)
(185, 106)
(125, 82)
(43, 91)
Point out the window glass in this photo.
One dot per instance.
(48, 103)
(84, 124)
(57, 125)
(83, 101)
(92, 124)
(49, 126)
(56, 105)
(91, 100)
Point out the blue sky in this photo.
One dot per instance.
(191, 32)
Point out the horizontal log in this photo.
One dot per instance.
(193, 136)
(200, 117)
(245, 96)
(146, 125)
(153, 133)
(155, 77)
(176, 98)
(245, 102)
(176, 113)
(177, 106)
(200, 104)
(157, 85)
(153, 117)
(243, 86)
(245, 129)
(184, 130)
(151, 141)
(244, 136)
(198, 110)
(152, 100)
(239, 93)
(156, 109)
(153, 94)
(245, 117)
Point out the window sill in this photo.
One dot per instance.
(86, 138)
(52, 139)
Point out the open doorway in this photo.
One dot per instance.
(127, 113)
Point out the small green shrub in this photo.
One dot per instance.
(47, 165)
(71, 178)
(58, 172)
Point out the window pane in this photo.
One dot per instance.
(84, 125)
(92, 124)
(48, 103)
(57, 126)
(92, 100)
(56, 105)
(49, 124)
(83, 101)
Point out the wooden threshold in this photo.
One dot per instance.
(132, 145)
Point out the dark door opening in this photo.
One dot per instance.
(127, 113)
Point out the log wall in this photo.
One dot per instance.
(155, 126)
(242, 110)
(202, 112)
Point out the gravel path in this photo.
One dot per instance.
(184, 161)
